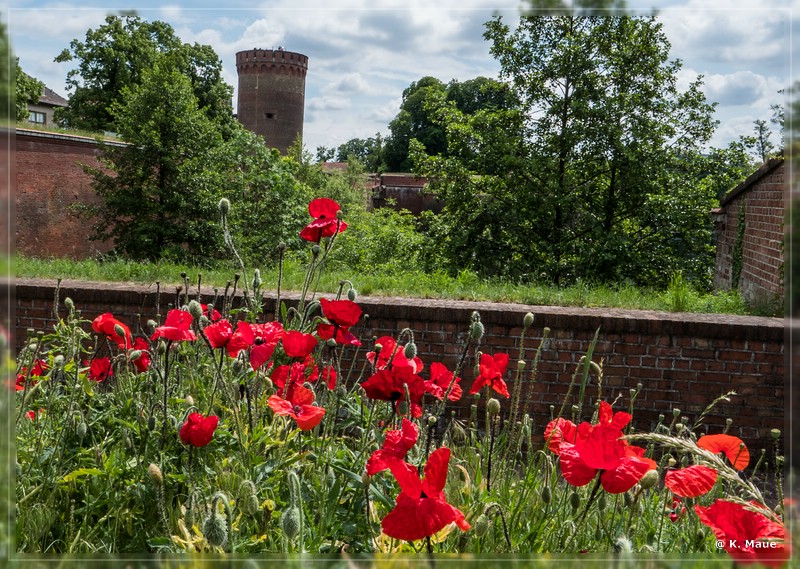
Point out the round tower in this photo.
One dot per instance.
(271, 98)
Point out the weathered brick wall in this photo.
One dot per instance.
(762, 196)
(683, 361)
(49, 179)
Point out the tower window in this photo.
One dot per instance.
(270, 115)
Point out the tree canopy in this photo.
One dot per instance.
(28, 90)
(118, 54)
(587, 176)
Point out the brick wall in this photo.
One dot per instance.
(49, 179)
(762, 196)
(682, 361)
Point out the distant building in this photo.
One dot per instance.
(749, 230)
(271, 95)
(41, 113)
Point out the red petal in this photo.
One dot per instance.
(436, 471)
(177, 318)
(408, 479)
(298, 345)
(309, 416)
(323, 207)
(218, 333)
(279, 405)
(557, 431)
(342, 312)
(627, 473)
(692, 481)
(733, 447)
(573, 468)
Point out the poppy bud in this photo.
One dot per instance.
(152, 324)
(237, 366)
(119, 330)
(134, 355)
(493, 407)
(195, 309)
(69, 304)
(482, 525)
(290, 522)
(602, 502)
(628, 499)
(252, 505)
(268, 385)
(598, 534)
(366, 479)
(402, 408)
(574, 501)
(331, 342)
(58, 361)
(281, 246)
(351, 295)
(224, 206)
(81, 430)
(649, 479)
(215, 530)
(476, 330)
(410, 351)
(162, 347)
(189, 401)
(520, 365)
(154, 472)
(315, 250)
(547, 495)
(527, 321)
(671, 462)
(151, 423)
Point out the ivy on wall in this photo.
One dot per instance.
(738, 249)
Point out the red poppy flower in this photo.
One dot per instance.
(344, 313)
(298, 345)
(692, 481)
(746, 535)
(394, 449)
(298, 405)
(325, 225)
(733, 447)
(198, 431)
(329, 375)
(38, 370)
(390, 350)
(100, 369)
(214, 316)
(390, 385)
(176, 327)
(107, 324)
(219, 333)
(557, 431)
(599, 448)
(678, 510)
(491, 373)
(286, 376)
(440, 381)
(34, 415)
(422, 509)
(265, 338)
(242, 338)
(142, 363)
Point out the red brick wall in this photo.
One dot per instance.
(49, 179)
(762, 260)
(683, 361)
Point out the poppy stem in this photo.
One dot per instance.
(494, 422)
(164, 404)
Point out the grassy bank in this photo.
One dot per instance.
(680, 297)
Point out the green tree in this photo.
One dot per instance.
(368, 151)
(28, 90)
(117, 55)
(587, 177)
(158, 194)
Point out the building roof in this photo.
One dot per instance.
(763, 170)
(50, 97)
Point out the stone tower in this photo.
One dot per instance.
(271, 98)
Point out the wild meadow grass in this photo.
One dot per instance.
(680, 297)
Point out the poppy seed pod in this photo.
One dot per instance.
(476, 330)
(410, 351)
(366, 479)
(776, 434)
(152, 324)
(224, 206)
(151, 423)
(402, 408)
(315, 249)
(676, 412)
(493, 407)
(351, 295)
(649, 479)
(527, 321)
(520, 365)
(547, 495)
(330, 342)
(431, 420)
(215, 530)
(189, 400)
(290, 522)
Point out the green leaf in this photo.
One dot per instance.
(79, 473)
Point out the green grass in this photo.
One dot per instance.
(465, 286)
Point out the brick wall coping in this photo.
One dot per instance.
(609, 320)
(65, 137)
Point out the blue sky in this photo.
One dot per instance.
(363, 53)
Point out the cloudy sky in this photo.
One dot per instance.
(363, 53)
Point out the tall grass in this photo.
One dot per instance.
(679, 297)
